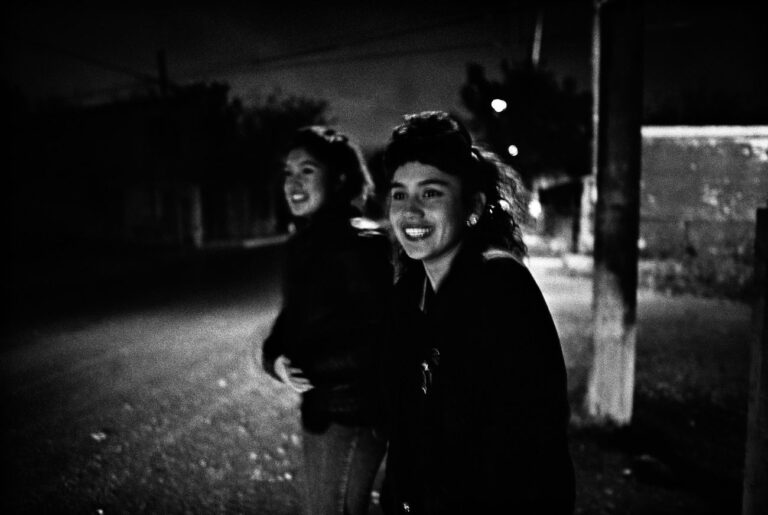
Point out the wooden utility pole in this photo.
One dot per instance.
(755, 500)
(617, 214)
(586, 238)
(537, 37)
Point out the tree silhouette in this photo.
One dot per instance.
(548, 122)
(268, 125)
(73, 168)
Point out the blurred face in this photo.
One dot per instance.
(305, 186)
(427, 212)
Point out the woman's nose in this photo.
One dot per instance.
(414, 206)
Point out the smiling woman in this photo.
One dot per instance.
(325, 342)
(478, 390)
(305, 180)
(427, 215)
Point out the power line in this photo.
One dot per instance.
(278, 61)
(258, 62)
(96, 62)
(308, 52)
(320, 62)
(376, 55)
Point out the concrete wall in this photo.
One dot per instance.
(700, 189)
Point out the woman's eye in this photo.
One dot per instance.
(307, 171)
(398, 195)
(432, 194)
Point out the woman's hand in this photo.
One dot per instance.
(292, 376)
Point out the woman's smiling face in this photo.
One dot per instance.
(305, 185)
(427, 212)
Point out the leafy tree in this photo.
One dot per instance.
(268, 125)
(546, 120)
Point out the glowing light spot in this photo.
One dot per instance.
(513, 150)
(498, 105)
(364, 224)
(99, 436)
(534, 208)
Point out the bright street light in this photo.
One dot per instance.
(534, 207)
(513, 151)
(498, 105)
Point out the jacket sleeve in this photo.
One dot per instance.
(334, 313)
(526, 408)
(349, 331)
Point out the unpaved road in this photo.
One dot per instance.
(150, 409)
(160, 409)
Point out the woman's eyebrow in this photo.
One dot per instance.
(425, 182)
(433, 182)
(306, 162)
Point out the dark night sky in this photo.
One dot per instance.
(373, 63)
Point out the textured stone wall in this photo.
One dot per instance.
(700, 189)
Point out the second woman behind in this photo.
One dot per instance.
(333, 322)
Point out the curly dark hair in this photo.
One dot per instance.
(439, 139)
(343, 160)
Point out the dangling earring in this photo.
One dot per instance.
(472, 220)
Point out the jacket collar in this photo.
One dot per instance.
(467, 260)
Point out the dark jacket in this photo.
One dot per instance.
(337, 281)
(489, 434)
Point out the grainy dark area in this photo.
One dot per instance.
(155, 405)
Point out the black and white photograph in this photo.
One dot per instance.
(363, 258)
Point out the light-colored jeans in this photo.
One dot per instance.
(340, 466)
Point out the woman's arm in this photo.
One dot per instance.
(278, 365)
(272, 348)
(526, 400)
(352, 324)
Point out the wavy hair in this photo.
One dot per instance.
(439, 139)
(346, 169)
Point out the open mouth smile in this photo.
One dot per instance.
(416, 233)
(298, 197)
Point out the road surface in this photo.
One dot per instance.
(159, 407)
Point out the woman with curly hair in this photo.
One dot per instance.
(479, 404)
(333, 322)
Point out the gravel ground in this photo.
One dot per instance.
(160, 408)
